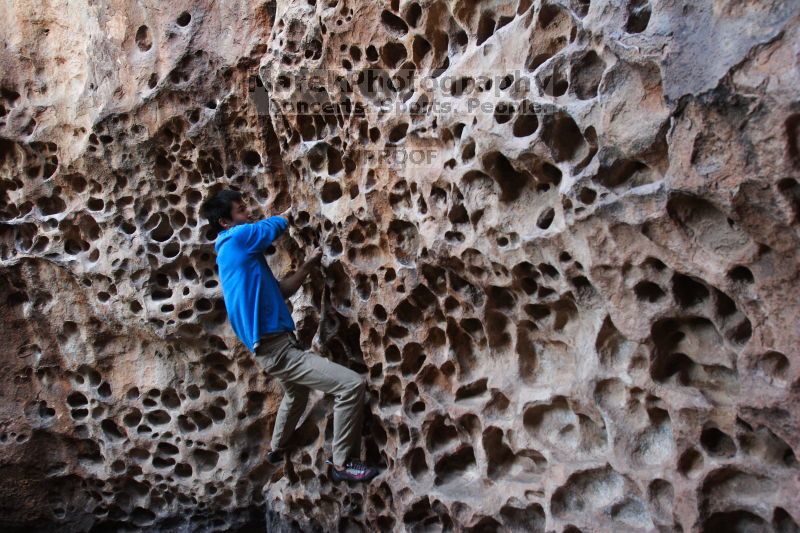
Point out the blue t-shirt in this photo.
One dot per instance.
(253, 298)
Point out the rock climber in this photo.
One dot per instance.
(254, 300)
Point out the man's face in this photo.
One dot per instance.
(240, 215)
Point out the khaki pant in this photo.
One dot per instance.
(299, 370)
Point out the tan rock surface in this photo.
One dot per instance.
(565, 256)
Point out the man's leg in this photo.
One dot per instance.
(290, 364)
(293, 404)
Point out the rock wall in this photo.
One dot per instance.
(561, 244)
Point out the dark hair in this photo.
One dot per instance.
(220, 206)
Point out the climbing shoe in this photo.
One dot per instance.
(353, 471)
(276, 456)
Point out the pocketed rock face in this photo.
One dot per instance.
(564, 255)
(577, 305)
(126, 402)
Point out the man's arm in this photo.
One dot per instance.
(291, 283)
(257, 236)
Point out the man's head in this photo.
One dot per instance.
(225, 210)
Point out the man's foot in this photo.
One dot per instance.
(353, 471)
(276, 456)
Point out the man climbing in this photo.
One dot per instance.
(260, 318)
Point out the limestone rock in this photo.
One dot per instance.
(561, 243)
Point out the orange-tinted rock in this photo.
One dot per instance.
(561, 243)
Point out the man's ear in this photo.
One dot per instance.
(225, 222)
